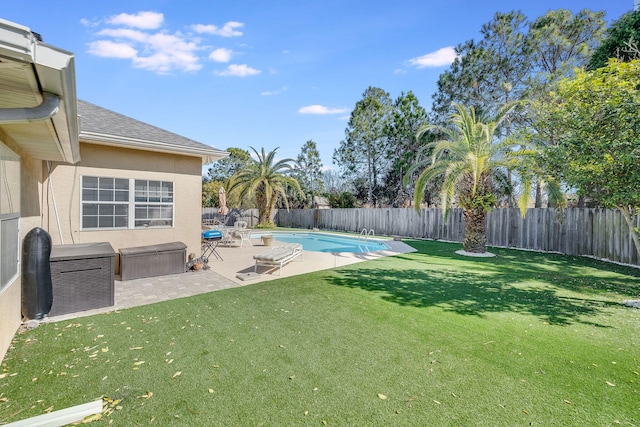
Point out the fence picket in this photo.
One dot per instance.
(602, 233)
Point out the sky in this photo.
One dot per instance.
(263, 74)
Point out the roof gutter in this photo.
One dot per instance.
(46, 110)
(208, 156)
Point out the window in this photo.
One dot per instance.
(154, 203)
(9, 248)
(9, 215)
(107, 203)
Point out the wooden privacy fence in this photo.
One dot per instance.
(601, 233)
(235, 214)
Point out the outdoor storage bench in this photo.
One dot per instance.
(82, 277)
(152, 260)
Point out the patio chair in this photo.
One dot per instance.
(278, 256)
(242, 232)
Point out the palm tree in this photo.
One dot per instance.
(265, 179)
(472, 166)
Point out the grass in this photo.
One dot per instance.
(427, 338)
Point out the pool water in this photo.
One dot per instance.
(318, 242)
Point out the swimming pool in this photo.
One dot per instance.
(320, 242)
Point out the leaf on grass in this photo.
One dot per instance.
(33, 380)
(3, 375)
(146, 396)
(439, 403)
(135, 348)
(138, 363)
(382, 396)
(210, 390)
(105, 377)
(177, 374)
(610, 384)
(92, 418)
(568, 402)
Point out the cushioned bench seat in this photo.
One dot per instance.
(278, 256)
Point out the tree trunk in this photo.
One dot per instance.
(510, 200)
(475, 238)
(263, 205)
(538, 203)
(629, 216)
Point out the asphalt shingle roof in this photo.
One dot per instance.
(98, 120)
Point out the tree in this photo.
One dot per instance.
(223, 169)
(219, 175)
(564, 41)
(561, 41)
(267, 180)
(333, 182)
(594, 117)
(342, 199)
(472, 166)
(517, 60)
(308, 170)
(489, 73)
(407, 118)
(621, 41)
(210, 190)
(363, 151)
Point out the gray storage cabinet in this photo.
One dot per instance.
(82, 277)
(153, 260)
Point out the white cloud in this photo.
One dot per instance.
(87, 23)
(124, 33)
(109, 49)
(440, 57)
(274, 92)
(221, 55)
(163, 53)
(321, 109)
(143, 20)
(142, 38)
(238, 71)
(228, 30)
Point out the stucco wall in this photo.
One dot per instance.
(62, 184)
(25, 198)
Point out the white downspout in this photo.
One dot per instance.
(47, 109)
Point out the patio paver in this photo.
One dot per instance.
(222, 275)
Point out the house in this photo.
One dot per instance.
(83, 173)
(320, 202)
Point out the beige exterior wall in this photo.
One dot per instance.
(48, 194)
(21, 192)
(62, 196)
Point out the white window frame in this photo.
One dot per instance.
(165, 202)
(9, 257)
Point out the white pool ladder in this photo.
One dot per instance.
(364, 234)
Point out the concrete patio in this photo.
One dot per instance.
(222, 274)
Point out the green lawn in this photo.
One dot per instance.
(422, 339)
